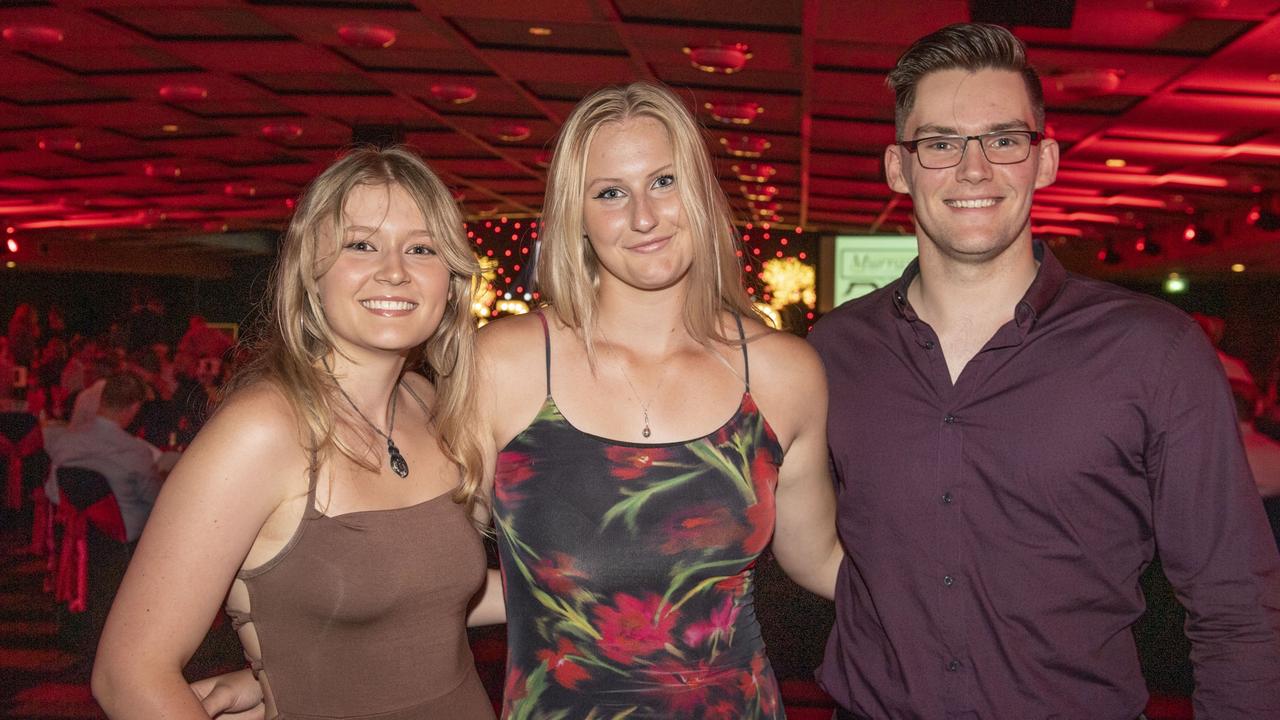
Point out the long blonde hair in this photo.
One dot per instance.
(568, 271)
(296, 337)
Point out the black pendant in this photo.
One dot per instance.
(398, 465)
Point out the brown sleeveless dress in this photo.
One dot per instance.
(363, 615)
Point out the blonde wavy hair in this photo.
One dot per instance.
(568, 271)
(296, 338)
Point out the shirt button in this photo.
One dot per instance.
(948, 580)
(947, 498)
(928, 344)
(953, 666)
(950, 419)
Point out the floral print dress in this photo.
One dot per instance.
(628, 571)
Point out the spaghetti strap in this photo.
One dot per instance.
(546, 337)
(746, 363)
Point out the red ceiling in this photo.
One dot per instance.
(1194, 113)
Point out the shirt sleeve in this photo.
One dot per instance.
(142, 472)
(1213, 537)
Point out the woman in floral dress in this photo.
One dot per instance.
(652, 435)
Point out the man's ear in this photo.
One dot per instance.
(893, 169)
(1048, 170)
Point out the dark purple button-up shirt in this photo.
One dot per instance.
(996, 528)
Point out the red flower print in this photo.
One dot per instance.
(513, 691)
(701, 527)
(688, 688)
(723, 436)
(513, 468)
(716, 627)
(735, 584)
(631, 463)
(760, 515)
(634, 627)
(723, 710)
(754, 683)
(558, 574)
(566, 672)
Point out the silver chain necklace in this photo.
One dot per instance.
(394, 457)
(644, 404)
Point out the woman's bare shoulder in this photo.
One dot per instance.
(257, 423)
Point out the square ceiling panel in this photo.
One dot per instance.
(111, 61)
(772, 15)
(195, 23)
(560, 37)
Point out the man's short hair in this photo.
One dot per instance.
(122, 390)
(964, 46)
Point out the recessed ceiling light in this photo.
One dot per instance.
(32, 35)
(1238, 267)
(11, 264)
(540, 31)
(169, 128)
(183, 93)
(367, 36)
(1116, 162)
(719, 58)
(282, 131)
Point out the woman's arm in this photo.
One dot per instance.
(231, 696)
(792, 392)
(490, 608)
(235, 474)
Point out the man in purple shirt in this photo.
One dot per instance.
(1013, 443)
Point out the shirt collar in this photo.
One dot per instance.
(1044, 288)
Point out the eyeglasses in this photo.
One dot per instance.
(1003, 147)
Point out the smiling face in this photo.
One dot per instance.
(975, 211)
(632, 212)
(387, 288)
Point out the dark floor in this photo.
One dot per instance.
(44, 663)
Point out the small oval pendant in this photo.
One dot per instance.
(398, 464)
(645, 432)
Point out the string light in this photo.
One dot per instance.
(776, 266)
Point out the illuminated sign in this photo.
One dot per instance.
(867, 262)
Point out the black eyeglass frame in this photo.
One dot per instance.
(1033, 139)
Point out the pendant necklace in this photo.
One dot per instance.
(394, 457)
(644, 404)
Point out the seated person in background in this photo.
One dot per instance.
(201, 341)
(102, 444)
(75, 373)
(1262, 451)
(1215, 328)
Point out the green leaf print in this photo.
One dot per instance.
(629, 508)
(684, 573)
(714, 457)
